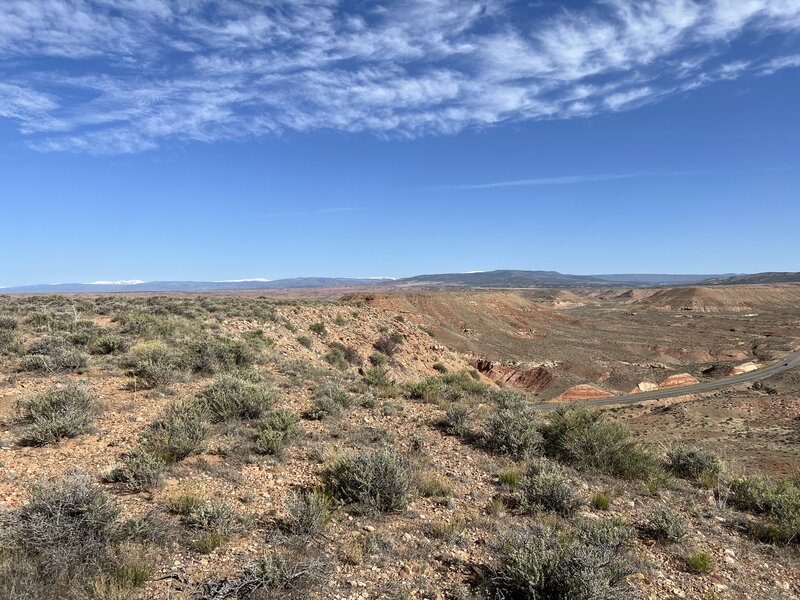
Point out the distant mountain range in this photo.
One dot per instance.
(193, 286)
(783, 277)
(483, 279)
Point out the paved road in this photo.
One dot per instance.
(788, 362)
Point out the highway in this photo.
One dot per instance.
(788, 362)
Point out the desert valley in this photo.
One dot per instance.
(400, 443)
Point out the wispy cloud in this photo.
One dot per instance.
(141, 73)
(546, 181)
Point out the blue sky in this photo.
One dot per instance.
(191, 139)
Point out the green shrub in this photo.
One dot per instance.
(513, 430)
(58, 541)
(378, 359)
(307, 512)
(331, 400)
(666, 524)
(318, 329)
(305, 341)
(217, 517)
(537, 563)
(386, 345)
(377, 480)
(9, 342)
(212, 355)
(456, 420)
(581, 437)
(378, 377)
(53, 354)
(348, 353)
(546, 487)
(8, 323)
(154, 364)
(440, 368)
(139, 470)
(275, 430)
(335, 358)
(777, 500)
(700, 562)
(109, 343)
(232, 397)
(60, 412)
(692, 463)
(451, 387)
(178, 432)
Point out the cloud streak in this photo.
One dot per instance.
(116, 76)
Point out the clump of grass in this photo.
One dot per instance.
(546, 487)
(378, 480)
(434, 487)
(307, 512)
(60, 412)
(305, 341)
(179, 431)
(700, 563)
(439, 367)
(692, 463)
(666, 524)
(582, 437)
(513, 430)
(233, 397)
(509, 477)
(275, 573)
(447, 531)
(331, 400)
(185, 504)
(590, 564)
(601, 501)
(139, 470)
(275, 430)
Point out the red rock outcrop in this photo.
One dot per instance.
(533, 379)
(679, 380)
(583, 391)
(744, 368)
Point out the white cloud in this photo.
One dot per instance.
(118, 282)
(108, 76)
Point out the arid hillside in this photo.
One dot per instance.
(389, 446)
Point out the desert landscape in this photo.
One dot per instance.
(395, 443)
